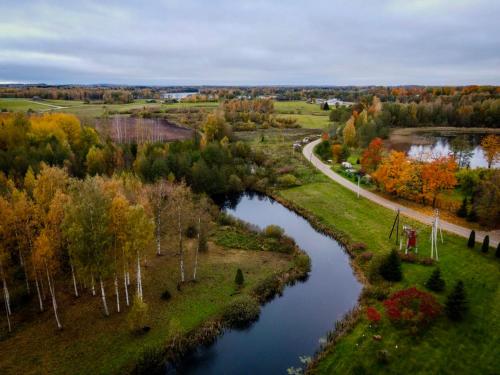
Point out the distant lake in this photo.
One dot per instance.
(428, 145)
(177, 95)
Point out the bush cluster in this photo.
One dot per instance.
(241, 312)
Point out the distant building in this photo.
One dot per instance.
(332, 102)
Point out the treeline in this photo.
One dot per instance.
(109, 95)
(257, 110)
(210, 164)
(57, 139)
(466, 112)
(69, 235)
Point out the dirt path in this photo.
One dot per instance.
(423, 218)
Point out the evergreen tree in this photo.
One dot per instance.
(472, 240)
(326, 107)
(497, 253)
(486, 244)
(390, 269)
(435, 282)
(456, 304)
(462, 211)
(239, 279)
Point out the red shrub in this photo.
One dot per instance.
(412, 307)
(373, 315)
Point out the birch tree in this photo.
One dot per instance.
(45, 256)
(139, 236)
(118, 228)
(86, 228)
(180, 207)
(5, 217)
(157, 198)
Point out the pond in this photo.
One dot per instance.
(293, 324)
(466, 147)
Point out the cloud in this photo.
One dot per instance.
(251, 42)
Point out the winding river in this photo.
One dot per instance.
(293, 324)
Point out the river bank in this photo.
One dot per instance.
(359, 220)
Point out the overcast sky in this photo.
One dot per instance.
(250, 42)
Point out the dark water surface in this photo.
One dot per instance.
(293, 324)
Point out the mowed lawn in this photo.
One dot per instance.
(468, 347)
(93, 344)
(21, 105)
(310, 121)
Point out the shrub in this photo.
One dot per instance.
(302, 262)
(472, 240)
(412, 307)
(358, 246)
(239, 279)
(274, 231)
(497, 253)
(267, 288)
(166, 295)
(373, 315)
(138, 314)
(456, 304)
(241, 312)
(435, 282)
(151, 362)
(486, 244)
(379, 293)
(390, 269)
(288, 180)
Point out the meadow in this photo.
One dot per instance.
(91, 343)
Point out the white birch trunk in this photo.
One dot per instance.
(103, 295)
(74, 278)
(40, 302)
(117, 294)
(53, 295)
(139, 277)
(181, 251)
(7, 311)
(92, 284)
(197, 249)
(7, 297)
(126, 288)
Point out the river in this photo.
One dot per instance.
(293, 324)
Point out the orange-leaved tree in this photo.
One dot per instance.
(491, 147)
(438, 176)
(372, 156)
(392, 173)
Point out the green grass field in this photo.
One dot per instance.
(470, 346)
(299, 107)
(310, 121)
(89, 110)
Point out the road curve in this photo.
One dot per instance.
(307, 151)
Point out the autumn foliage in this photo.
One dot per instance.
(412, 307)
(373, 315)
(372, 156)
(415, 180)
